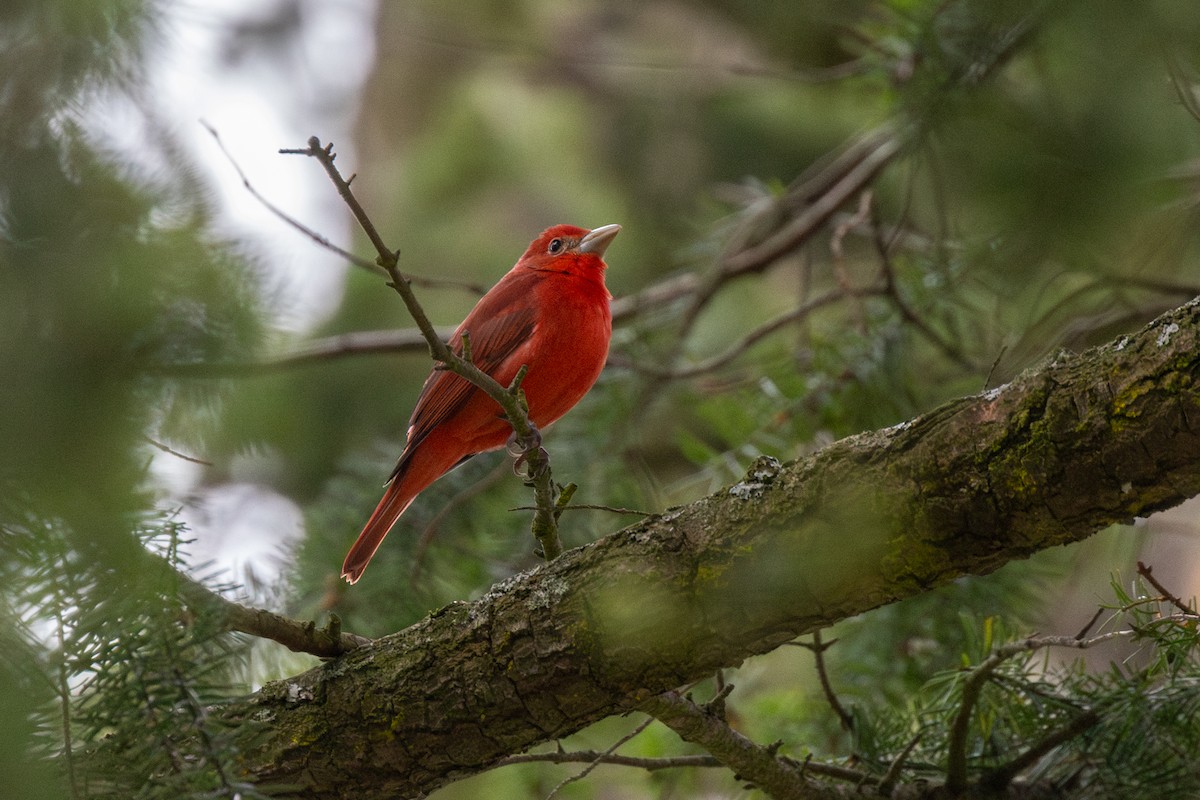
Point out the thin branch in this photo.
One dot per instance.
(409, 340)
(599, 757)
(329, 348)
(987, 382)
(1146, 572)
(658, 294)
(320, 239)
(590, 767)
(665, 762)
(1091, 623)
(868, 157)
(754, 336)
(956, 758)
(818, 649)
(164, 448)
(813, 197)
(1003, 775)
(906, 311)
(716, 706)
(637, 512)
(888, 782)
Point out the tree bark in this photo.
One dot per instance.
(1064, 450)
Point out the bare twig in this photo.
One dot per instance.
(888, 782)
(665, 762)
(1003, 775)
(906, 311)
(409, 340)
(716, 706)
(987, 382)
(1146, 571)
(184, 456)
(1091, 623)
(592, 507)
(663, 293)
(321, 240)
(818, 649)
(510, 399)
(867, 157)
(605, 757)
(597, 762)
(743, 344)
(815, 196)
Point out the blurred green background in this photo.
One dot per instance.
(1044, 197)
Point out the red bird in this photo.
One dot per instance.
(551, 313)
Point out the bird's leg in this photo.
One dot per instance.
(523, 448)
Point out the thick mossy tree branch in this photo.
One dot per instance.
(510, 399)
(1079, 444)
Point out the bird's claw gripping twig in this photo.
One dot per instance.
(523, 448)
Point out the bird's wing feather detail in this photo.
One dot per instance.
(496, 337)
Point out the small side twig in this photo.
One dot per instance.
(812, 199)
(1091, 623)
(605, 757)
(818, 649)
(591, 507)
(1147, 572)
(716, 706)
(888, 782)
(289, 220)
(754, 336)
(1003, 775)
(170, 451)
(907, 312)
(598, 761)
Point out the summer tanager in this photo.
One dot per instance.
(549, 313)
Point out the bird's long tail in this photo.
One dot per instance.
(399, 495)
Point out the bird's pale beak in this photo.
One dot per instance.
(598, 240)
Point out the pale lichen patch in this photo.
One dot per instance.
(1164, 336)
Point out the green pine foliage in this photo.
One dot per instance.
(124, 676)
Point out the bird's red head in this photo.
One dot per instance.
(567, 248)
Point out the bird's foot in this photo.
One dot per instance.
(523, 448)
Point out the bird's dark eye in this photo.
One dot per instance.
(556, 246)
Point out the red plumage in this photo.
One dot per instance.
(551, 313)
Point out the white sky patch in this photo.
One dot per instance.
(259, 99)
(243, 528)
